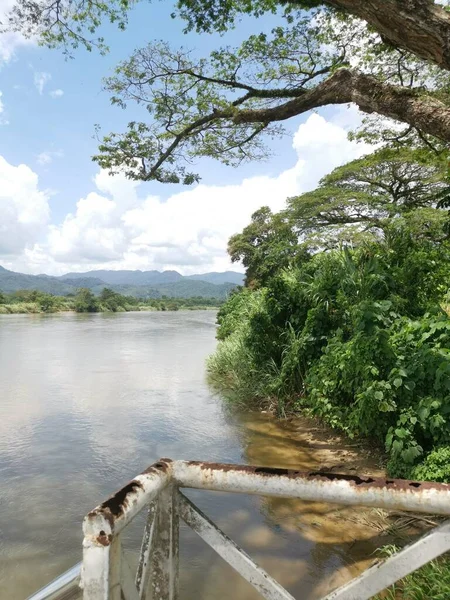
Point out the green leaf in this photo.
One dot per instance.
(388, 442)
(401, 433)
(397, 446)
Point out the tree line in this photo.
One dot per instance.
(85, 301)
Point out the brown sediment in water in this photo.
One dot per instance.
(346, 536)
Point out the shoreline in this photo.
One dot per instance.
(8, 309)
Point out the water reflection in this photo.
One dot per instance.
(88, 401)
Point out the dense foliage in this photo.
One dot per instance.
(264, 246)
(85, 301)
(361, 198)
(355, 332)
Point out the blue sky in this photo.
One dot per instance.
(60, 213)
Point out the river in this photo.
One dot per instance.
(88, 401)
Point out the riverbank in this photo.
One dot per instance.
(376, 533)
(85, 301)
(34, 308)
(301, 443)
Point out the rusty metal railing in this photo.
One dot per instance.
(106, 574)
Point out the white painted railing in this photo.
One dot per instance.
(106, 575)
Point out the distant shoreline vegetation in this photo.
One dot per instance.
(85, 301)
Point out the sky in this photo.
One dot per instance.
(59, 212)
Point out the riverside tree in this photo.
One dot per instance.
(364, 195)
(390, 57)
(267, 244)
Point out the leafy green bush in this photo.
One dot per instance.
(47, 302)
(350, 343)
(436, 467)
(231, 315)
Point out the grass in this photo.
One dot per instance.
(431, 582)
(19, 308)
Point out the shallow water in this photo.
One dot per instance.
(88, 401)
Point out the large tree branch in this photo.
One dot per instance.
(420, 26)
(411, 106)
(369, 94)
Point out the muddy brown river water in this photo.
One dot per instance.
(88, 401)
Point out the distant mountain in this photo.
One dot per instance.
(86, 282)
(154, 277)
(178, 289)
(128, 277)
(11, 282)
(218, 278)
(141, 284)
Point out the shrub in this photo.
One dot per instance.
(85, 301)
(341, 338)
(435, 467)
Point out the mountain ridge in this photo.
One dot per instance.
(145, 284)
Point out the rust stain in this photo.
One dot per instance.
(358, 481)
(103, 539)
(162, 465)
(355, 479)
(118, 502)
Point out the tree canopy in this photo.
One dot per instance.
(391, 199)
(365, 194)
(389, 57)
(267, 244)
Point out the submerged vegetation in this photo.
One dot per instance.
(33, 301)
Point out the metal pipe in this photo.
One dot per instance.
(422, 497)
(231, 553)
(110, 517)
(64, 587)
(382, 575)
(102, 526)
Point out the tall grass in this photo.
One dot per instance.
(232, 370)
(20, 308)
(431, 582)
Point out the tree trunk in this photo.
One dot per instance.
(420, 26)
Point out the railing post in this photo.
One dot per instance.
(143, 570)
(163, 577)
(101, 564)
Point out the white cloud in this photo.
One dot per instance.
(45, 158)
(40, 80)
(10, 41)
(24, 210)
(3, 121)
(56, 93)
(114, 226)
